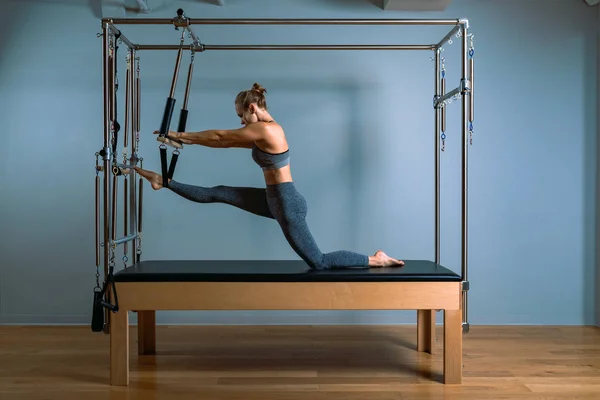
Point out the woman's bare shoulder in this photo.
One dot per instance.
(274, 139)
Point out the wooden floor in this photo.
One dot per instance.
(287, 363)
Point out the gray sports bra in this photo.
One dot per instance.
(269, 160)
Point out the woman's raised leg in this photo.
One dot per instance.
(250, 199)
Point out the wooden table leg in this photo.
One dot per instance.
(119, 348)
(146, 332)
(426, 330)
(452, 346)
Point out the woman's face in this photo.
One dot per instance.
(247, 116)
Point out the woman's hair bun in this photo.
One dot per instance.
(254, 95)
(258, 88)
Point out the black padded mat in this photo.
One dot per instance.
(277, 271)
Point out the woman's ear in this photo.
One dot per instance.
(252, 108)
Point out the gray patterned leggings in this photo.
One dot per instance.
(287, 206)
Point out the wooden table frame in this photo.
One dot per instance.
(148, 297)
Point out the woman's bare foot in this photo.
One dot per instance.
(380, 259)
(152, 177)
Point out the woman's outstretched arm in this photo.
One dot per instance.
(241, 137)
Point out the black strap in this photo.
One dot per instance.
(163, 163)
(100, 303)
(110, 280)
(167, 173)
(173, 164)
(97, 324)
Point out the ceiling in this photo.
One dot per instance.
(114, 7)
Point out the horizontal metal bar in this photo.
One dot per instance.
(284, 21)
(453, 32)
(285, 47)
(124, 239)
(447, 96)
(319, 47)
(120, 36)
(125, 166)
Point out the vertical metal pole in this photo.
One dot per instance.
(138, 196)
(107, 149)
(428, 316)
(134, 132)
(437, 89)
(465, 175)
(129, 124)
(140, 210)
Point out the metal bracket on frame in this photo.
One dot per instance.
(465, 327)
(106, 153)
(465, 324)
(465, 86)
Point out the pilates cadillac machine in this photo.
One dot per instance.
(145, 286)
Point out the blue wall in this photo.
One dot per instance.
(360, 128)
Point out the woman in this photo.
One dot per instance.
(280, 200)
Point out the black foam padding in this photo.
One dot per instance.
(168, 114)
(183, 115)
(278, 271)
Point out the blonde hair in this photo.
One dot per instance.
(254, 95)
